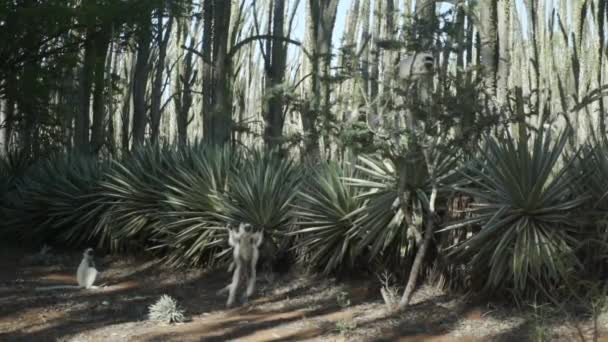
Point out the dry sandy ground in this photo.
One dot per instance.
(293, 307)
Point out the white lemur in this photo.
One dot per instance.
(245, 245)
(413, 66)
(85, 275)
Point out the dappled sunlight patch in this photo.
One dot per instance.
(437, 338)
(122, 286)
(59, 278)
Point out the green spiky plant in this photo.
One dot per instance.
(52, 202)
(12, 167)
(195, 233)
(525, 208)
(135, 190)
(166, 310)
(261, 192)
(591, 168)
(381, 227)
(324, 212)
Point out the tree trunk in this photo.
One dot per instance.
(140, 82)
(488, 32)
(125, 114)
(82, 121)
(374, 74)
(423, 246)
(111, 69)
(206, 51)
(3, 121)
(157, 87)
(183, 84)
(363, 93)
(102, 42)
(425, 24)
(503, 17)
(9, 115)
(347, 59)
(30, 107)
(275, 75)
(424, 30)
(221, 112)
(321, 20)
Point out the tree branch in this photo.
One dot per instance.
(248, 40)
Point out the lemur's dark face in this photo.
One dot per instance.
(89, 252)
(417, 64)
(246, 227)
(429, 63)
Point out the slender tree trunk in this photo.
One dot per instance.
(102, 42)
(126, 112)
(601, 20)
(321, 20)
(347, 59)
(532, 7)
(111, 68)
(184, 82)
(221, 113)
(363, 93)
(424, 244)
(275, 75)
(419, 152)
(375, 51)
(489, 42)
(30, 107)
(208, 80)
(9, 114)
(504, 59)
(140, 82)
(161, 42)
(82, 122)
(3, 121)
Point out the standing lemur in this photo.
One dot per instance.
(245, 245)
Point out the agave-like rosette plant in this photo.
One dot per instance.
(524, 206)
(52, 201)
(195, 233)
(12, 167)
(261, 192)
(324, 213)
(135, 189)
(380, 226)
(589, 172)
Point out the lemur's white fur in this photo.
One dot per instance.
(85, 275)
(245, 245)
(413, 66)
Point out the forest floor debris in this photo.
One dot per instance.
(290, 308)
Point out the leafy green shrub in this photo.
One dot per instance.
(525, 207)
